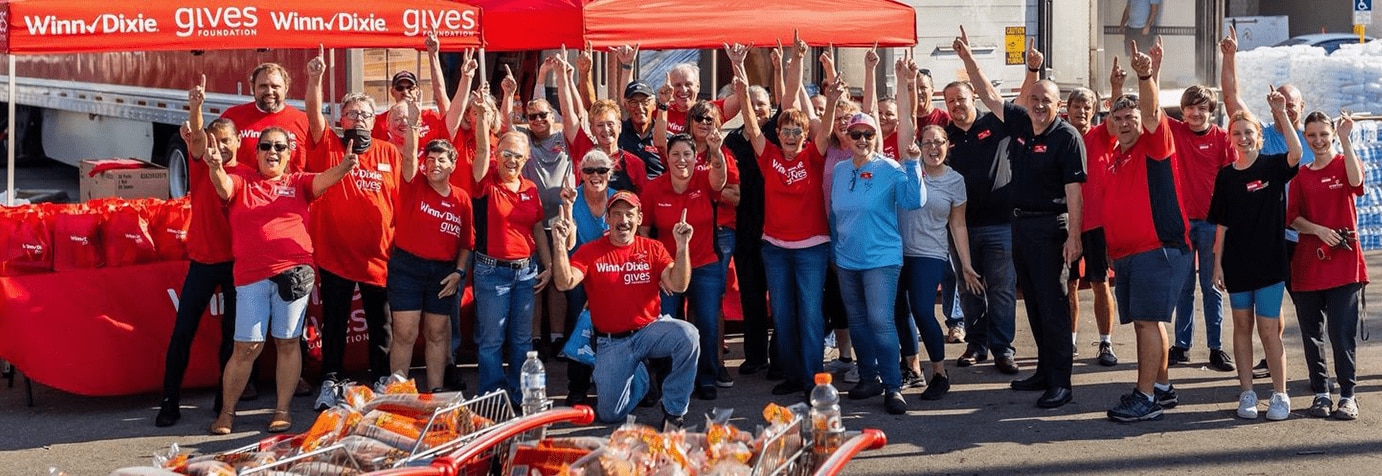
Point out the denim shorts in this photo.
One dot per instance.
(1263, 302)
(414, 283)
(1148, 284)
(259, 311)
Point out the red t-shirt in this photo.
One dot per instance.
(1325, 198)
(250, 121)
(676, 120)
(625, 163)
(793, 200)
(464, 140)
(268, 223)
(937, 117)
(353, 221)
(430, 126)
(1199, 157)
(1098, 146)
(504, 220)
(208, 232)
(623, 282)
(890, 146)
(725, 213)
(433, 226)
(1143, 187)
(662, 208)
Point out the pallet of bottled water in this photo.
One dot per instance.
(1368, 145)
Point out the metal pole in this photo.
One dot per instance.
(483, 76)
(9, 142)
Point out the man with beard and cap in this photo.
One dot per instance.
(623, 273)
(352, 226)
(269, 109)
(1049, 156)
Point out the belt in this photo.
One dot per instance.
(617, 335)
(1020, 213)
(499, 263)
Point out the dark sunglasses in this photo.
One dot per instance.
(595, 170)
(704, 119)
(274, 146)
(856, 135)
(537, 116)
(400, 88)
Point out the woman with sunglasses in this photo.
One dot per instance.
(427, 266)
(831, 139)
(1328, 271)
(868, 192)
(1248, 207)
(586, 209)
(796, 236)
(627, 171)
(273, 264)
(689, 189)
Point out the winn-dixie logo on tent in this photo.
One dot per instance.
(247, 21)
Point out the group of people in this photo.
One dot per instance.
(847, 215)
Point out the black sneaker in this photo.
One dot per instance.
(911, 379)
(574, 399)
(940, 385)
(1136, 407)
(651, 398)
(451, 378)
(894, 404)
(750, 368)
(866, 389)
(1219, 360)
(1177, 356)
(1322, 407)
(673, 422)
(787, 388)
(168, 413)
(722, 379)
(1106, 357)
(1166, 398)
(707, 393)
(775, 373)
(1261, 370)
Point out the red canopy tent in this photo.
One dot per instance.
(516, 25)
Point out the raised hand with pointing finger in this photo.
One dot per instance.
(682, 231)
(1141, 63)
(1116, 77)
(1035, 59)
(316, 67)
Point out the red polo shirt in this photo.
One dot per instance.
(623, 282)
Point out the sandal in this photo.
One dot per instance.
(222, 425)
(281, 422)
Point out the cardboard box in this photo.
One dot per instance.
(124, 178)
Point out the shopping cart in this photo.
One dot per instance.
(789, 453)
(869, 439)
(483, 454)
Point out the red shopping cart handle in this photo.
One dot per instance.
(450, 465)
(869, 439)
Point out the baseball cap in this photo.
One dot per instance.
(623, 196)
(863, 119)
(404, 75)
(638, 87)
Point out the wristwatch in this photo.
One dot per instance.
(461, 271)
(662, 106)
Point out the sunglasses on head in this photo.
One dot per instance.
(595, 170)
(537, 116)
(856, 135)
(703, 118)
(400, 88)
(274, 146)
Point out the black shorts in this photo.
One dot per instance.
(1095, 258)
(414, 283)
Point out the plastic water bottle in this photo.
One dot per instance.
(534, 383)
(826, 429)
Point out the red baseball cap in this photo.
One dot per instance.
(624, 196)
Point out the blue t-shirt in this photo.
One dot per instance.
(589, 226)
(1140, 10)
(863, 210)
(1275, 143)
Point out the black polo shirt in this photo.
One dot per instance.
(749, 213)
(642, 147)
(980, 155)
(1043, 163)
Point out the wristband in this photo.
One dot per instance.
(1144, 78)
(662, 106)
(625, 66)
(1033, 70)
(461, 271)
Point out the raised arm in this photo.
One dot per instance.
(664, 97)
(827, 60)
(871, 60)
(332, 176)
(455, 115)
(779, 85)
(1147, 90)
(793, 90)
(982, 87)
(1353, 167)
(737, 53)
(479, 168)
(905, 73)
(410, 165)
(585, 81)
(626, 56)
(1277, 101)
(677, 277)
(436, 75)
(507, 87)
(191, 130)
(832, 99)
(564, 277)
(1116, 77)
(573, 120)
(752, 130)
(1228, 75)
(1034, 61)
(716, 154)
(316, 122)
(211, 154)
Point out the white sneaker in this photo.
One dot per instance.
(835, 366)
(852, 375)
(1279, 407)
(1247, 405)
(329, 396)
(829, 342)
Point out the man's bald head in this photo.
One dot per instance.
(1295, 103)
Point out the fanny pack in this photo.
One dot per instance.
(295, 283)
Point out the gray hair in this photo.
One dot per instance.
(689, 69)
(756, 90)
(359, 97)
(596, 157)
(1084, 94)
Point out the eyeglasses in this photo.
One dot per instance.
(703, 119)
(401, 88)
(537, 116)
(274, 146)
(856, 135)
(595, 170)
(645, 100)
(790, 131)
(510, 154)
(357, 115)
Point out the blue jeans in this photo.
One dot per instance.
(918, 281)
(503, 322)
(1202, 242)
(950, 294)
(621, 379)
(870, 295)
(795, 280)
(706, 291)
(989, 317)
(724, 246)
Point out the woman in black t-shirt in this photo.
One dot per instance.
(1250, 262)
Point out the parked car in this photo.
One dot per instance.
(1328, 41)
